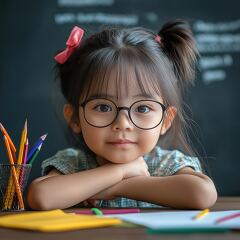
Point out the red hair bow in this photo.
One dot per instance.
(72, 43)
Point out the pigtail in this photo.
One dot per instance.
(178, 44)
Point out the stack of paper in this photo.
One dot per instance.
(54, 221)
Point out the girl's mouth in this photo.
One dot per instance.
(121, 143)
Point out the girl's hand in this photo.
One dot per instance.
(135, 168)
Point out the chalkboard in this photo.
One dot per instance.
(33, 31)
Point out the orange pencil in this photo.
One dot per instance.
(14, 174)
(19, 161)
(13, 148)
(4, 131)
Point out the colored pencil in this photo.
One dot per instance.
(22, 143)
(35, 146)
(25, 152)
(14, 174)
(35, 154)
(10, 186)
(22, 167)
(19, 160)
(202, 214)
(226, 218)
(12, 146)
(4, 131)
(109, 211)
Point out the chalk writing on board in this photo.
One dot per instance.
(216, 61)
(98, 18)
(213, 75)
(81, 3)
(214, 39)
(201, 26)
(218, 42)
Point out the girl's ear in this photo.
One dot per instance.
(68, 115)
(168, 119)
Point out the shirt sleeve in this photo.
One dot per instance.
(173, 161)
(65, 161)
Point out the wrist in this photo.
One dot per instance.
(124, 170)
(117, 169)
(120, 170)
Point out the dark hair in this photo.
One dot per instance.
(166, 67)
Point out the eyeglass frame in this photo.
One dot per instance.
(164, 108)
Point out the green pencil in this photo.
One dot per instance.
(35, 154)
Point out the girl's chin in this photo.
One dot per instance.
(121, 160)
(118, 159)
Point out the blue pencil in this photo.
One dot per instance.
(35, 154)
(35, 146)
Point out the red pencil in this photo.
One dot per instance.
(109, 211)
(226, 218)
(25, 152)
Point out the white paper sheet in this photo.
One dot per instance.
(181, 219)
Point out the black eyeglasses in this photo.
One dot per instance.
(144, 114)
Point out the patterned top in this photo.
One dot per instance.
(160, 163)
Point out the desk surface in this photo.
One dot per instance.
(138, 233)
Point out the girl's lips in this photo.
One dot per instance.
(121, 141)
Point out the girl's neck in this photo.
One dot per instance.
(101, 161)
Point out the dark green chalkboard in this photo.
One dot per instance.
(32, 32)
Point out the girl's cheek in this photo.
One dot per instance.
(150, 140)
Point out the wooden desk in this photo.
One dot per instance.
(223, 203)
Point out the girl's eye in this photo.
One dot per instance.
(103, 108)
(143, 109)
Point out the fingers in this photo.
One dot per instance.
(134, 168)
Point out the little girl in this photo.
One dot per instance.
(124, 90)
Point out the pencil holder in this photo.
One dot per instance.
(13, 181)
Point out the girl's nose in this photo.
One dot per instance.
(122, 122)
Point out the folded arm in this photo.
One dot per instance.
(62, 191)
(186, 189)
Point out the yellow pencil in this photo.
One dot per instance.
(14, 174)
(22, 143)
(202, 214)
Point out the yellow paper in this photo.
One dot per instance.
(54, 221)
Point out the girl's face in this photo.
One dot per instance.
(122, 141)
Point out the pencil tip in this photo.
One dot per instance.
(25, 124)
(44, 136)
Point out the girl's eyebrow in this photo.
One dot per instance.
(144, 95)
(102, 96)
(140, 95)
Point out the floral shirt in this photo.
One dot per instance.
(160, 163)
